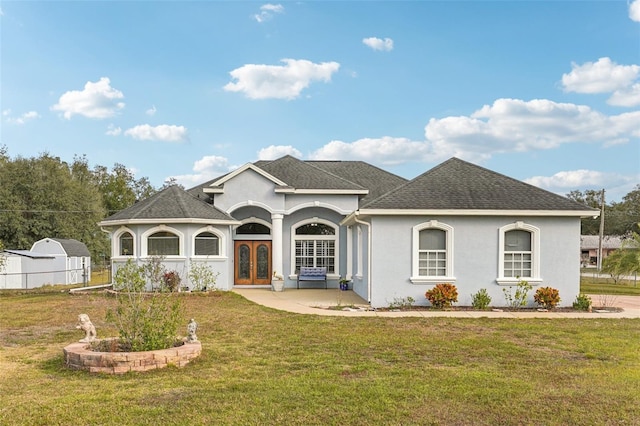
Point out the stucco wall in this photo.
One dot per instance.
(475, 255)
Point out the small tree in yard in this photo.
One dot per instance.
(144, 321)
(625, 260)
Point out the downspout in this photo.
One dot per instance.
(369, 287)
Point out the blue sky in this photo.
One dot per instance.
(544, 91)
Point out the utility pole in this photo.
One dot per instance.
(599, 265)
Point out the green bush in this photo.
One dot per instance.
(547, 297)
(582, 302)
(518, 299)
(442, 295)
(202, 277)
(481, 299)
(145, 321)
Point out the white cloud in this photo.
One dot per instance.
(509, 125)
(627, 97)
(22, 119)
(376, 43)
(279, 81)
(386, 150)
(113, 130)
(151, 111)
(163, 132)
(97, 100)
(206, 168)
(634, 10)
(605, 76)
(267, 11)
(566, 181)
(272, 152)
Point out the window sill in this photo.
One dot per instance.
(514, 281)
(212, 257)
(432, 280)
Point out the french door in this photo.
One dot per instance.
(253, 262)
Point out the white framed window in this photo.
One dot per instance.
(432, 253)
(207, 242)
(163, 241)
(519, 257)
(314, 243)
(123, 243)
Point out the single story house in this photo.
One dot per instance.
(50, 261)
(457, 223)
(589, 245)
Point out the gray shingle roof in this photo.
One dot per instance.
(459, 185)
(73, 248)
(376, 180)
(593, 241)
(299, 174)
(170, 203)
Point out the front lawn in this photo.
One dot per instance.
(265, 367)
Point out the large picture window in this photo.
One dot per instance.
(163, 243)
(432, 253)
(315, 246)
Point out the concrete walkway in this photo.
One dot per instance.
(317, 302)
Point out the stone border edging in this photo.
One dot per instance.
(78, 356)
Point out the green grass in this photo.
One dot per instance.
(596, 285)
(265, 367)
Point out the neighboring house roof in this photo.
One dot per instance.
(593, 241)
(173, 204)
(459, 185)
(73, 248)
(30, 254)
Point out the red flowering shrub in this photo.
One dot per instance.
(442, 295)
(547, 297)
(172, 280)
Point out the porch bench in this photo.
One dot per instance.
(316, 274)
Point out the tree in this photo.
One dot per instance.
(625, 260)
(119, 188)
(590, 198)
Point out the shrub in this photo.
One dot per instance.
(582, 302)
(481, 299)
(171, 280)
(202, 277)
(519, 298)
(403, 303)
(547, 297)
(442, 295)
(145, 322)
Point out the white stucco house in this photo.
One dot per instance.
(457, 223)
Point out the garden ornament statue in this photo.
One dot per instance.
(87, 326)
(191, 331)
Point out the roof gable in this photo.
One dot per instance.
(459, 185)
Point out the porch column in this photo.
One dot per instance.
(276, 244)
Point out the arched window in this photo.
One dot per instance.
(163, 243)
(207, 244)
(126, 244)
(519, 257)
(315, 245)
(432, 253)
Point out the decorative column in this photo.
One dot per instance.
(349, 272)
(276, 244)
